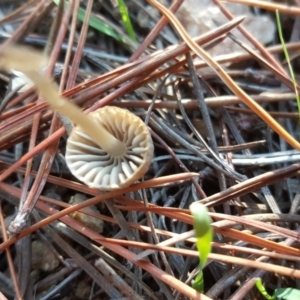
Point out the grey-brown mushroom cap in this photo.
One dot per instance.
(95, 167)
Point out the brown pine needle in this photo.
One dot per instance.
(226, 78)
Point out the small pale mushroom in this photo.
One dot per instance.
(120, 167)
(109, 149)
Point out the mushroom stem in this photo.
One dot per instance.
(30, 64)
(97, 132)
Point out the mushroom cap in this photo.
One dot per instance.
(95, 167)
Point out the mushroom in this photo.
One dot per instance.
(119, 168)
(109, 149)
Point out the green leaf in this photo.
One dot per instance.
(287, 294)
(204, 236)
(203, 231)
(126, 20)
(279, 294)
(202, 220)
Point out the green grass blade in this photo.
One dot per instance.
(126, 20)
(286, 54)
(98, 24)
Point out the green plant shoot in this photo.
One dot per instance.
(204, 236)
(287, 58)
(262, 289)
(279, 294)
(126, 19)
